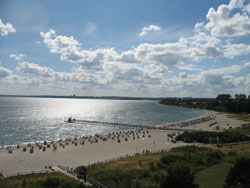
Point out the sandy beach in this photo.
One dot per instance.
(219, 121)
(85, 151)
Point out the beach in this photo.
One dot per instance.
(101, 148)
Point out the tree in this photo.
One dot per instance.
(223, 97)
(240, 97)
(239, 174)
(179, 177)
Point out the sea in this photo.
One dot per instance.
(32, 119)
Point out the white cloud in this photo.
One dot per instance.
(48, 75)
(183, 75)
(34, 69)
(70, 50)
(17, 57)
(128, 57)
(225, 70)
(222, 23)
(60, 44)
(149, 29)
(147, 67)
(247, 64)
(168, 54)
(4, 72)
(7, 28)
(232, 50)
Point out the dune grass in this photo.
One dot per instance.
(55, 180)
(213, 177)
(209, 164)
(241, 116)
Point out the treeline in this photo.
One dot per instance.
(213, 137)
(223, 103)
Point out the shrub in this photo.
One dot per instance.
(169, 159)
(51, 182)
(151, 166)
(214, 137)
(232, 153)
(178, 177)
(239, 174)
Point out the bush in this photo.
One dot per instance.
(135, 183)
(156, 177)
(151, 166)
(189, 149)
(178, 177)
(213, 156)
(239, 174)
(232, 153)
(206, 137)
(169, 159)
(51, 182)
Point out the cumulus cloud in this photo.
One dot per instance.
(168, 54)
(4, 72)
(232, 50)
(34, 69)
(60, 44)
(149, 66)
(7, 28)
(146, 30)
(17, 57)
(183, 75)
(48, 75)
(222, 23)
(247, 64)
(70, 51)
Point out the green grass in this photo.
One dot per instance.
(209, 164)
(213, 177)
(55, 180)
(123, 172)
(242, 116)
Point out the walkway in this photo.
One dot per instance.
(89, 182)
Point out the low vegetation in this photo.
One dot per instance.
(197, 164)
(51, 180)
(239, 174)
(204, 167)
(155, 170)
(207, 137)
(213, 176)
(240, 104)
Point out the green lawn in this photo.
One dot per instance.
(213, 177)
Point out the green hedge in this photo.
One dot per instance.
(215, 137)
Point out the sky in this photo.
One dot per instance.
(139, 48)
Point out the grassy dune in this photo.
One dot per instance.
(209, 164)
(40, 181)
(213, 177)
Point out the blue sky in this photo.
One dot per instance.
(130, 48)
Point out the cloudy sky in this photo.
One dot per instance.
(158, 48)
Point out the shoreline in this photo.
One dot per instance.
(149, 127)
(99, 148)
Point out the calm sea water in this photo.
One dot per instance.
(25, 120)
